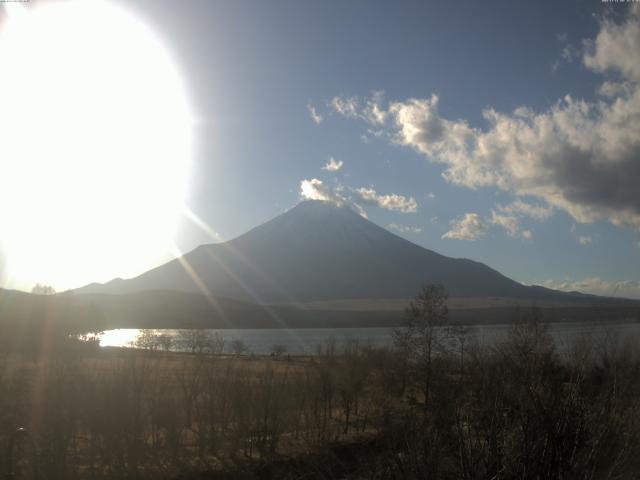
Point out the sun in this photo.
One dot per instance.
(95, 145)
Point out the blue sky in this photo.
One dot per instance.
(254, 69)
(506, 132)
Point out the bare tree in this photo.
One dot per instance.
(459, 336)
(194, 340)
(278, 350)
(166, 341)
(215, 343)
(43, 289)
(421, 336)
(148, 340)
(238, 347)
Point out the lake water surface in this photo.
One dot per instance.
(305, 341)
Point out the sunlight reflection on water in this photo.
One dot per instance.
(305, 341)
(120, 337)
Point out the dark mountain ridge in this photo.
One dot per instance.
(319, 251)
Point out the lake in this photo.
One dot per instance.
(305, 341)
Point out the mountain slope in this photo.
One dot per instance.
(317, 251)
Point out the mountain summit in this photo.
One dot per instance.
(319, 251)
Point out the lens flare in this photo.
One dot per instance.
(95, 145)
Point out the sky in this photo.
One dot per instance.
(505, 132)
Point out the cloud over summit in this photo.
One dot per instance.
(315, 189)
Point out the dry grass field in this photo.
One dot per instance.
(443, 408)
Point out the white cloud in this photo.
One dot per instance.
(333, 165)
(315, 116)
(315, 189)
(472, 226)
(613, 89)
(509, 223)
(597, 286)
(578, 156)
(393, 201)
(568, 52)
(616, 46)
(468, 227)
(374, 113)
(431, 195)
(404, 228)
(518, 207)
(584, 239)
(345, 106)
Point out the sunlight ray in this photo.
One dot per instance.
(229, 246)
(267, 308)
(196, 220)
(200, 284)
(203, 225)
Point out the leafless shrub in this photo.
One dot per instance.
(520, 409)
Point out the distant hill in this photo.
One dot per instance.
(173, 309)
(317, 265)
(26, 318)
(37, 323)
(318, 252)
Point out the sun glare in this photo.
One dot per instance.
(120, 337)
(95, 135)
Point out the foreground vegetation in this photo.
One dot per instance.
(436, 406)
